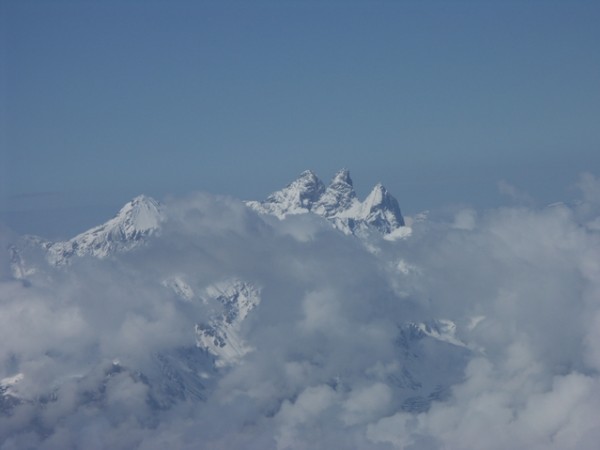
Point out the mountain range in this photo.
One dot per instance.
(141, 218)
(221, 309)
(337, 203)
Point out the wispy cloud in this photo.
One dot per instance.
(518, 196)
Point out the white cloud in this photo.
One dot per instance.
(465, 219)
(365, 404)
(335, 363)
(298, 420)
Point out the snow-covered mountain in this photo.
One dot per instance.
(137, 220)
(141, 218)
(337, 203)
(298, 197)
(220, 336)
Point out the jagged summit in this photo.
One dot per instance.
(337, 202)
(296, 198)
(338, 196)
(138, 219)
(141, 218)
(342, 177)
(381, 210)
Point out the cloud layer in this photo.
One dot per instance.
(476, 332)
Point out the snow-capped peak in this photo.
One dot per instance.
(376, 195)
(138, 219)
(342, 177)
(339, 195)
(296, 198)
(381, 210)
(139, 215)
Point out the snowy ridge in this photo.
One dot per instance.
(7, 384)
(443, 330)
(339, 196)
(137, 220)
(9, 392)
(221, 335)
(337, 203)
(296, 198)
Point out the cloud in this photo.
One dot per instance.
(515, 194)
(300, 418)
(364, 404)
(465, 219)
(108, 357)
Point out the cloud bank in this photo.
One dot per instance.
(478, 332)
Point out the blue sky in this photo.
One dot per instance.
(440, 101)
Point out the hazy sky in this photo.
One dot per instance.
(101, 101)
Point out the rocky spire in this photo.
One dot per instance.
(381, 210)
(339, 195)
(337, 203)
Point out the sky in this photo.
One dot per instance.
(444, 102)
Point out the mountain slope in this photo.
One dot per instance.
(221, 335)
